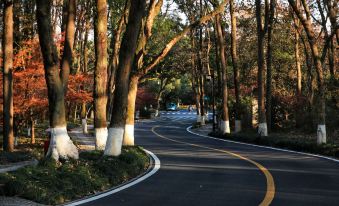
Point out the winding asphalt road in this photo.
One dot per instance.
(201, 171)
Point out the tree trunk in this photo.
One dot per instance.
(269, 65)
(8, 143)
(85, 50)
(84, 118)
(32, 131)
(235, 67)
(262, 129)
(225, 123)
(67, 57)
(100, 75)
(196, 90)
(299, 73)
(114, 57)
(61, 145)
(126, 58)
(129, 126)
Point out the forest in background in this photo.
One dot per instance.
(283, 53)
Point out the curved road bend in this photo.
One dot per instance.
(201, 171)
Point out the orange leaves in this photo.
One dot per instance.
(80, 88)
(29, 85)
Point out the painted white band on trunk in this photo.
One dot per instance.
(203, 120)
(114, 141)
(129, 135)
(28, 131)
(198, 118)
(262, 129)
(84, 126)
(237, 126)
(156, 113)
(321, 134)
(100, 138)
(225, 127)
(61, 145)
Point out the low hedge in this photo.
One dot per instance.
(296, 144)
(54, 182)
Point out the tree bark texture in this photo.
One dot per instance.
(126, 58)
(100, 73)
(222, 48)
(61, 145)
(67, 57)
(235, 60)
(50, 56)
(269, 64)
(8, 143)
(261, 68)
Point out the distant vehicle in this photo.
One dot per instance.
(171, 107)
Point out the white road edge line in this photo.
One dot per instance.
(142, 178)
(188, 129)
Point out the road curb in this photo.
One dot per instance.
(154, 167)
(188, 129)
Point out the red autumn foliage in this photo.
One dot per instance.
(30, 90)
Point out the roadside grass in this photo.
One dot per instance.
(53, 182)
(25, 150)
(296, 142)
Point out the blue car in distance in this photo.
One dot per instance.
(171, 107)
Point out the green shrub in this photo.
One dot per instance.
(54, 182)
(297, 144)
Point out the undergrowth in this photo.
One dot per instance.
(52, 182)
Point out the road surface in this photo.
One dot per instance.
(200, 171)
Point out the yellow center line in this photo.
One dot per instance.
(270, 187)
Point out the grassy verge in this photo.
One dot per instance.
(285, 142)
(55, 183)
(24, 151)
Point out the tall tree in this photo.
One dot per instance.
(270, 24)
(100, 75)
(144, 69)
(114, 56)
(297, 31)
(236, 72)
(225, 123)
(145, 34)
(261, 31)
(67, 57)
(61, 146)
(309, 29)
(126, 58)
(7, 45)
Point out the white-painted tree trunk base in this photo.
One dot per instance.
(262, 129)
(198, 118)
(225, 127)
(84, 126)
(203, 120)
(129, 135)
(237, 126)
(61, 145)
(114, 141)
(28, 132)
(15, 141)
(321, 134)
(157, 113)
(100, 138)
